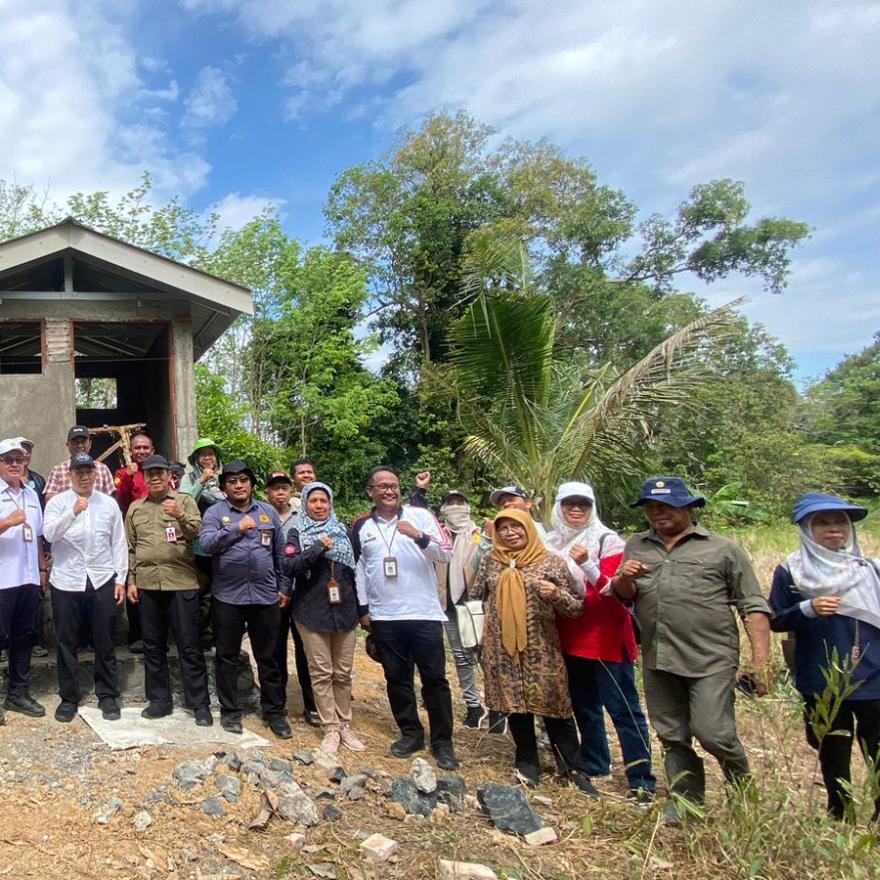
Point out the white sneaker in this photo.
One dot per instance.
(330, 743)
(350, 741)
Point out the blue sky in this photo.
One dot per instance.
(236, 103)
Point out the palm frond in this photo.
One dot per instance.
(496, 259)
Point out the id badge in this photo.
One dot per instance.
(334, 593)
(390, 564)
(27, 533)
(265, 538)
(171, 534)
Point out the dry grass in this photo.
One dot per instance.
(54, 778)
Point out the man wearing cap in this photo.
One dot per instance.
(22, 574)
(89, 571)
(244, 538)
(279, 491)
(395, 548)
(78, 440)
(685, 581)
(162, 580)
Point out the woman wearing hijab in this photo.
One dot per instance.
(828, 594)
(524, 587)
(318, 558)
(600, 646)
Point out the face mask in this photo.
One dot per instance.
(456, 516)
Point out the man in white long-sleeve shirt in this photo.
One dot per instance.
(89, 570)
(398, 601)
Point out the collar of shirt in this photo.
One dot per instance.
(397, 516)
(698, 531)
(252, 505)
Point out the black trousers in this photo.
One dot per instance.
(206, 576)
(179, 610)
(563, 736)
(404, 645)
(262, 626)
(132, 612)
(301, 659)
(69, 610)
(859, 717)
(18, 629)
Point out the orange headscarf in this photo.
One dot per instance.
(511, 599)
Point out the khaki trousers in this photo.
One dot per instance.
(331, 658)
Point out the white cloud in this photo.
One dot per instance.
(211, 101)
(78, 111)
(235, 209)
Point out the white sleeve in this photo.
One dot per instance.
(56, 520)
(360, 580)
(120, 545)
(439, 547)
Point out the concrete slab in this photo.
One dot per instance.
(131, 731)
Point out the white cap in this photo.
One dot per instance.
(576, 490)
(25, 442)
(10, 444)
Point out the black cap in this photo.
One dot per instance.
(454, 493)
(237, 467)
(82, 460)
(495, 497)
(278, 477)
(78, 431)
(156, 461)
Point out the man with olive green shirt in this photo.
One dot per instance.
(162, 580)
(685, 582)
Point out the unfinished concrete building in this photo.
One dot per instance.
(77, 306)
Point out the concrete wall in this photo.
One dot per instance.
(43, 407)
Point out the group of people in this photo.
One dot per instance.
(566, 611)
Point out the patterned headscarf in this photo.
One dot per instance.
(511, 599)
(311, 530)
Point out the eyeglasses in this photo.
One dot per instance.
(581, 505)
(17, 460)
(513, 527)
(237, 481)
(385, 487)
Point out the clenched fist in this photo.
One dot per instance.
(247, 524)
(80, 505)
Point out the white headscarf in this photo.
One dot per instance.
(457, 518)
(846, 573)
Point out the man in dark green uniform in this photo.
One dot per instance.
(685, 581)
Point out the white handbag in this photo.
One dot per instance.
(469, 616)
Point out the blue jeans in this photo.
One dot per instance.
(596, 685)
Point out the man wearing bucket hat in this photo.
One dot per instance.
(827, 594)
(203, 483)
(243, 536)
(684, 580)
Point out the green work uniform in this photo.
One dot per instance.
(690, 648)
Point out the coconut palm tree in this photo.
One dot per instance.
(539, 420)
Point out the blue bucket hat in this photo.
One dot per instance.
(668, 490)
(813, 502)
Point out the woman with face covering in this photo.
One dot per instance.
(828, 594)
(524, 586)
(319, 560)
(454, 577)
(600, 646)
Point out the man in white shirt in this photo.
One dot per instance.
(22, 575)
(89, 570)
(396, 548)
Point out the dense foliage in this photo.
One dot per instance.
(490, 311)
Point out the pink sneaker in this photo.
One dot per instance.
(330, 743)
(350, 741)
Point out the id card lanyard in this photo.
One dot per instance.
(389, 563)
(334, 591)
(27, 531)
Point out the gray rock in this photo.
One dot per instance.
(451, 790)
(356, 793)
(108, 811)
(325, 794)
(256, 767)
(189, 774)
(371, 772)
(415, 802)
(229, 787)
(303, 757)
(213, 806)
(296, 806)
(337, 774)
(141, 820)
(423, 776)
(331, 813)
(358, 780)
(257, 757)
(508, 809)
(232, 761)
(281, 765)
